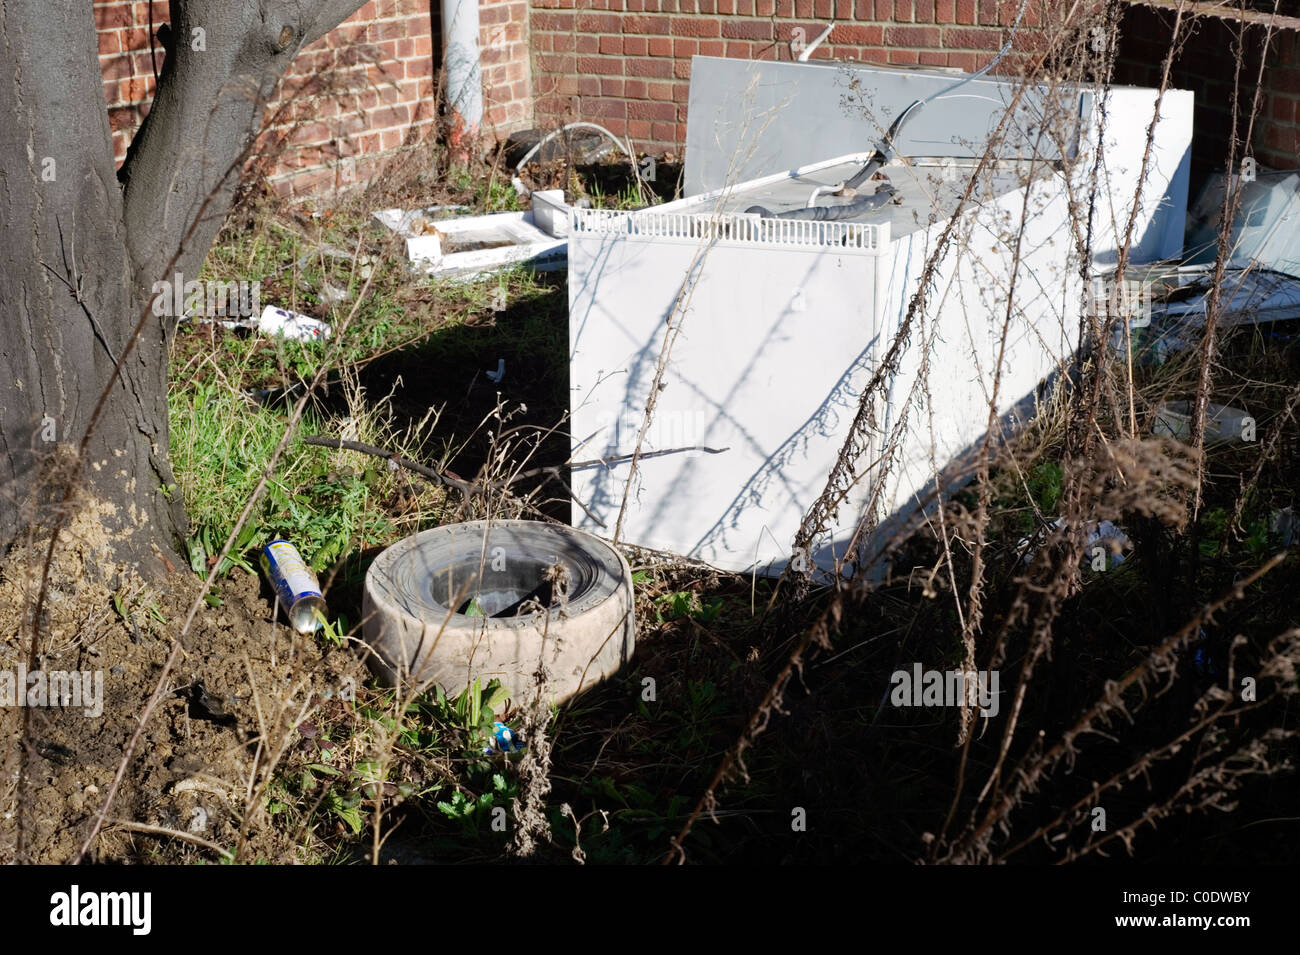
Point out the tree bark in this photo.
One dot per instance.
(81, 246)
(66, 302)
(223, 63)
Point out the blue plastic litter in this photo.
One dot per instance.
(1202, 659)
(504, 740)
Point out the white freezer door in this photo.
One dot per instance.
(775, 346)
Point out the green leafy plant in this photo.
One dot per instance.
(151, 610)
(474, 710)
(204, 546)
(347, 806)
(1214, 524)
(1045, 485)
(335, 631)
(687, 604)
(467, 808)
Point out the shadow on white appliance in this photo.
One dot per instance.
(780, 325)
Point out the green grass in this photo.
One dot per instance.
(629, 197)
(221, 444)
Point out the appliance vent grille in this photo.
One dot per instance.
(746, 229)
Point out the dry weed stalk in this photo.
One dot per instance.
(1109, 471)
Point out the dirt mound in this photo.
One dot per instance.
(226, 714)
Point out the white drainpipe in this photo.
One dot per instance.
(464, 74)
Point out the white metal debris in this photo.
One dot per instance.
(1266, 229)
(474, 246)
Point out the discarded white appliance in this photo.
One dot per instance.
(752, 118)
(781, 297)
(782, 323)
(1265, 232)
(473, 246)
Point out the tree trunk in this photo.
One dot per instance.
(66, 300)
(80, 252)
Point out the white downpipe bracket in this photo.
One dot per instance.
(464, 72)
(808, 50)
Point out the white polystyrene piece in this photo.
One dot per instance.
(551, 212)
(525, 243)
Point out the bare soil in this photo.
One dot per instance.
(241, 686)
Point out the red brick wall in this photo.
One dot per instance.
(352, 97)
(507, 76)
(1277, 143)
(626, 63)
(1206, 65)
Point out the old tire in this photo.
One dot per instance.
(416, 588)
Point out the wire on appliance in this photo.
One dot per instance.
(883, 153)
